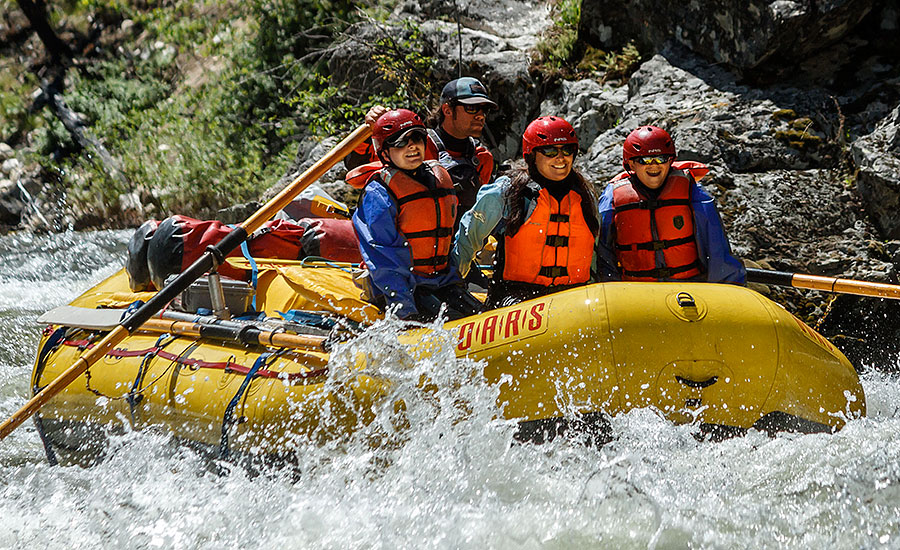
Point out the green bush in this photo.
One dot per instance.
(194, 147)
(203, 102)
(277, 67)
(557, 45)
(15, 90)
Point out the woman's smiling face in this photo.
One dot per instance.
(555, 168)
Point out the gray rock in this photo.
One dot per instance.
(742, 34)
(717, 121)
(10, 167)
(6, 151)
(131, 208)
(590, 107)
(802, 220)
(350, 60)
(496, 41)
(877, 157)
(311, 151)
(11, 204)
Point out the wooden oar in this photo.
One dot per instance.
(244, 335)
(214, 256)
(827, 284)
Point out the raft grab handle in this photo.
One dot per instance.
(699, 384)
(685, 300)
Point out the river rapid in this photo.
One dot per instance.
(451, 480)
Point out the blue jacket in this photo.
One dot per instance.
(712, 244)
(386, 252)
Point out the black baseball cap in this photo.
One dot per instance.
(466, 90)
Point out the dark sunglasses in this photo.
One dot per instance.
(660, 159)
(414, 138)
(551, 151)
(473, 109)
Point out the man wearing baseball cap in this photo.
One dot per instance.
(459, 121)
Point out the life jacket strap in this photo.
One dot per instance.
(438, 193)
(664, 272)
(652, 204)
(557, 241)
(439, 232)
(554, 271)
(433, 261)
(656, 245)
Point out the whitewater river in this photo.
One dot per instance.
(454, 481)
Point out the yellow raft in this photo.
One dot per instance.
(721, 356)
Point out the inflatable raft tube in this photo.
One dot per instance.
(721, 356)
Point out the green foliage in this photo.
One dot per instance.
(15, 89)
(183, 152)
(202, 102)
(560, 53)
(277, 67)
(798, 134)
(798, 139)
(557, 45)
(616, 65)
(784, 114)
(403, 60)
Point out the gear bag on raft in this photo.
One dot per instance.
(156, 253)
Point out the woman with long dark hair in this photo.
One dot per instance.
(543, 216)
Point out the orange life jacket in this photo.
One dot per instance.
(645, 226)
(425, 215)
(554, 246)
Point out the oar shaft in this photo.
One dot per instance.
(245, 335)
(827, 284)
(313, 173)
(214, 255)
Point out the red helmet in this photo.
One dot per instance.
(394, 125)
(547, 130)
(647, 141)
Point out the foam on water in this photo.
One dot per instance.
(443, 473)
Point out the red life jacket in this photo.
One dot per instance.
(425, 216)
(360, 176)
(554, 246)
(644, 227)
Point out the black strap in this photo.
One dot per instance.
(438, 193)
(664, 272)
(433, 233)
(652, 204)
(433, 261)
(558, 241)
(554, 271)
(559, 218)
(656, 245)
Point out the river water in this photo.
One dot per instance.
(453, 480)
